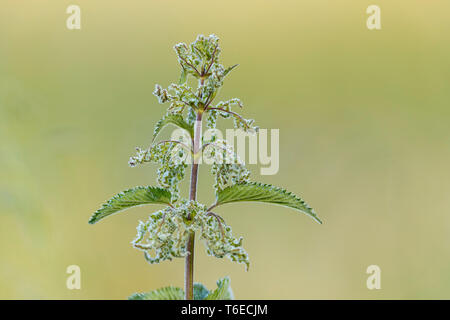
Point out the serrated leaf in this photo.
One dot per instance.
(131, 198)
(200, 291)
(227, 70)
(254, 191)
(174, 119)
(223, 291)
(167, 293)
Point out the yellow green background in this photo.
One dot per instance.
(364, 138)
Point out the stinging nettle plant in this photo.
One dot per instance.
(170, 233)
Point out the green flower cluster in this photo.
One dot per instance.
(164, 235)
(228, 169)
(169, 155)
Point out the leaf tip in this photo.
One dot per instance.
(92, 220)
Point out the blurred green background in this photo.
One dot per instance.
(364, 138)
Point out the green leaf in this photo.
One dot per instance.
(223, 291)
(174, 119)
(227, 70)
(131, 198)
(260, 192)
(200, 291)
(167, 293)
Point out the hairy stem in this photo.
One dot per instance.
(189, 264)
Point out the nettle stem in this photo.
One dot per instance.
(189, 264)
